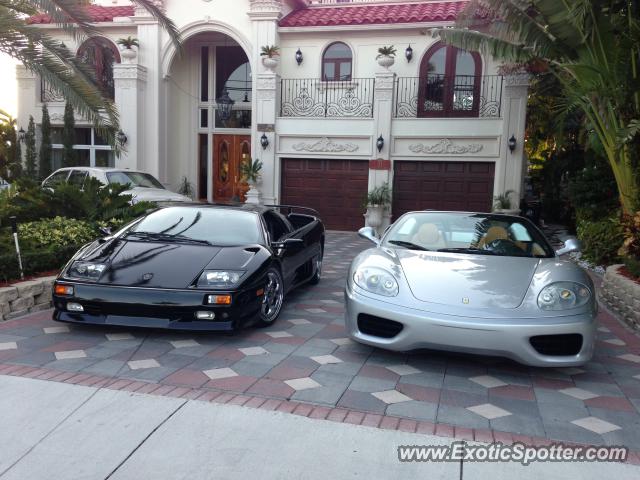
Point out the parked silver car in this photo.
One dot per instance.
(472, 282)
(144, 186)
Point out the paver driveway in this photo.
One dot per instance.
(306, 357)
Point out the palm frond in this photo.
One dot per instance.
(487, 44)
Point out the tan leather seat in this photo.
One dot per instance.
(494, 233)
(429, 237)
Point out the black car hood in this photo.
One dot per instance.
(165, 265)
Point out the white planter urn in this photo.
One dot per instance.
(270, 62)
(253, 195)
(374, 217)
(386, 61)
(507, 211)
(128, 54)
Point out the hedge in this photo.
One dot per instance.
(35, 261)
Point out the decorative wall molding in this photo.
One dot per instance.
(266, 82)
(325, 145)
(142, 12)
(265, 9)
(446, 147)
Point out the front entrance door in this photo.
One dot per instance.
(229, 152)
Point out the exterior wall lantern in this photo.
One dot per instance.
(380, 143)
(512, 143)
(264, 141)
(225, 104)
(21, 134)
(122, 138)
(299, 57)
(408, 53)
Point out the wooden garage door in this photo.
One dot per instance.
(335, 188)
(454, 186)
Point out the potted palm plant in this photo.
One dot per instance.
(378, 202)
(386, 56)
(250, 172)
(503, 204)
(270, 54)
(127, 52)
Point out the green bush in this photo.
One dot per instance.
(58, 231)
(593, 191)
(35, 261)
(600, 239)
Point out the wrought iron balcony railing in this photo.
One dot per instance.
(318, 98)
(449, 96)
(48, 93)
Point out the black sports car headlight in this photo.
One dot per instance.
(563, 296)
(220, 278)
(86, 270)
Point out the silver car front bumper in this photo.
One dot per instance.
(492, 336)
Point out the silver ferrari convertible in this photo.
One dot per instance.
(472, 282)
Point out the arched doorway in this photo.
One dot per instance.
(210, 116)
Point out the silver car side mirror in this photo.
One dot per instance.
(370, 234)
(570, 245)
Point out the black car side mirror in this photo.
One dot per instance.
(287, 243)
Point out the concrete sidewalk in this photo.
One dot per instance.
(56, 430)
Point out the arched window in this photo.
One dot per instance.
(101, 54)
(337, 62)
(450, 81)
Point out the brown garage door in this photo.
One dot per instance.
(335, 188)
(454, 186)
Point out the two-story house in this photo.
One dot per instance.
(441, 125)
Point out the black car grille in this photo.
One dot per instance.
(557, 345)
(139, 310)
(378, 327)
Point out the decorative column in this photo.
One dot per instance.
(264, 16)
(129, 82)
(27, 96)
(510, 170)
(152, 138)
(380, 163)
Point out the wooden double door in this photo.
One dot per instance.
(229, 152)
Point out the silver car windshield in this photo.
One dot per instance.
(135, 179)
(216, 226)
(468, 233)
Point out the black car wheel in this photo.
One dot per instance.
(273, 298)
(316, 264)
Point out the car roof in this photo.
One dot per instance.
(247, 207)
(100, 169)
(456, 212)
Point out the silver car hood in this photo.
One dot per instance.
(479, 281)
(141, 194)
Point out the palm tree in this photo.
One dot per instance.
(10, 154)
(55, 63)
(590, 46)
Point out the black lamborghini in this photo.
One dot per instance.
(193, 267)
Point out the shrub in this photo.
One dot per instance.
(593, 191)
(57, 232)
(601, 239)
(35, 261)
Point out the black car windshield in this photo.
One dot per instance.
(468, 233)
(136, 179)
(217, 226)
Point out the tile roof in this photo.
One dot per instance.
(374, 14)
(98, 14)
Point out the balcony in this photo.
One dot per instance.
(315, 98)
(449, 96)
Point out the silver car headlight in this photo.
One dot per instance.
(563, 296)
(220, 278)
(376, 280)
(86, 270)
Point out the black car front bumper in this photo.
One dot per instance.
(155, 308)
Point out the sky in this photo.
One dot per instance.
(8, 86)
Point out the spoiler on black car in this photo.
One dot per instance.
(289, 208)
